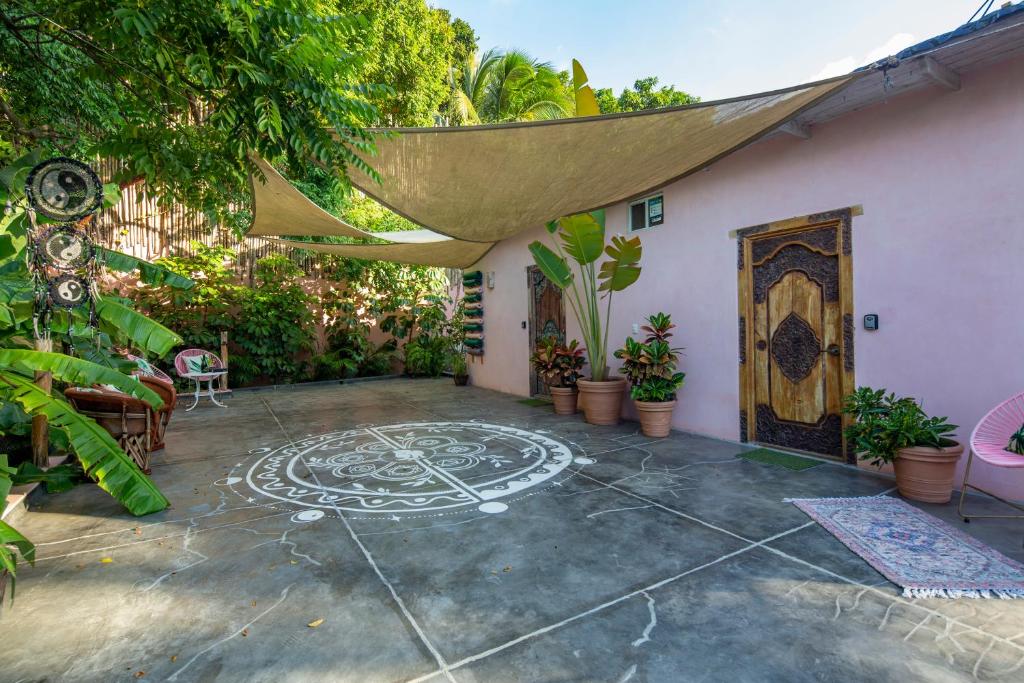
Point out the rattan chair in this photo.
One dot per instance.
(128, 419)
(988, 443)
(161, 383)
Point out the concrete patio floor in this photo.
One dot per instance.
(612, 558)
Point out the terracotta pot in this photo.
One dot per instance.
(602, 401)
(461, 380)
(564, 399)
(926, 474)
(655, 417)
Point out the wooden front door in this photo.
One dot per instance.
(547, 318)
(796, 332)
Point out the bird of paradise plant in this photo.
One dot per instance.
(581, 238)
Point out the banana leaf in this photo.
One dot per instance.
(551, 264)
(101, 457)
(583, 237)
(586, 102)
(146, 333)
(9, 536)
(150, 273)
(77, 371)
(622, 270)
(56, 479)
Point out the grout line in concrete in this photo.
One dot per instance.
(610, 603)
(438, 657)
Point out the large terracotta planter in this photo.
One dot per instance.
(655, 417)
(926, 474)
(602, 401)
(564, 399)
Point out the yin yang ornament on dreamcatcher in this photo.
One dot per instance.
(69, 291)
(64, 189)
(64, 248)
(62, 257)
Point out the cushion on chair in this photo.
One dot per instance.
(197, 363)
(1016, 443)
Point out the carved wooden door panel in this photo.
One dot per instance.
(796, 336)
(547, 318)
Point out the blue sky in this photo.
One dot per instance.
(710, 49)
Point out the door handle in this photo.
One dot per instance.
(831, 349)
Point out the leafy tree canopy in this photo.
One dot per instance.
(645, 94)
(409, 46)
(183, 91)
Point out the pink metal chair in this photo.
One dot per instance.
(214, 370)
(148, 369)
(988, 442)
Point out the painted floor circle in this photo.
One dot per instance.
(413, 468)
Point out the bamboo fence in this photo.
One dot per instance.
(140, 226)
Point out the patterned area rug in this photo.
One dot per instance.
(925, 556)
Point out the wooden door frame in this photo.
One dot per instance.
(842, 219)
(532, 315)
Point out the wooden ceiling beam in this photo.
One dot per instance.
(796, 129)
(940, 75)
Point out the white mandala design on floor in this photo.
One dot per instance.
(412, 468)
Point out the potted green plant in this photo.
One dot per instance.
(650, 369)
(580, 239)
(888, 429)
(460, 371)
(560, 366)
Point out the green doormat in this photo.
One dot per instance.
(787, 460)
(535, 402)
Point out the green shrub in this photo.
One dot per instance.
(200, 313)
(426, 355)
(650, 365)
(274, 325)
(884, 424)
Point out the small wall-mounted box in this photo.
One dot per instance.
(871, 321)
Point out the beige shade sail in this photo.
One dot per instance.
(487, 183)
(447, 254)
(281, 209)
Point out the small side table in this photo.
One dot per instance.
(210, 376)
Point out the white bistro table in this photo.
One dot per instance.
(209, 376)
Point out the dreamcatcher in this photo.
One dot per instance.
(61, 256)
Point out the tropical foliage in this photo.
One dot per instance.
(427, 355)
(182, 92)
(91, 357)
(580, 239)
(273, 323)
(12, 543)
(645, 94)
(458, 364)
(499, 87)
(293, 326)
(650, 365)
(429, 334)
(409, 46)
(884, 423)
(559, 365)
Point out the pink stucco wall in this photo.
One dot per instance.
(937, 254)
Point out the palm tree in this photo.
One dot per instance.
(509, 86)
(468, 84)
